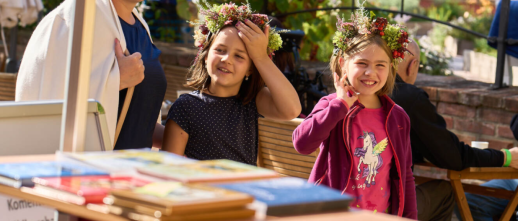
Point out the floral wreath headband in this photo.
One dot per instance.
(219, 16)
(394, 35)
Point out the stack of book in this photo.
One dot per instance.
(292, 196)
(208, 171)
(145, 185)
(125, 160)
(168, 201)
(82, 190)
(22, 174)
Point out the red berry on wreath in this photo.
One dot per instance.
(204, 29)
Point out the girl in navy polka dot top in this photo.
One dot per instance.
(219, 119)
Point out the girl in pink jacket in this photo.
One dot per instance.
(363, 135)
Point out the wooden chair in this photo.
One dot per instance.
(276, 149)
(464, 182)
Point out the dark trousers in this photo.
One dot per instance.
(435, 200)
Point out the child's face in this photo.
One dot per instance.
(227, 61)
(368, 70)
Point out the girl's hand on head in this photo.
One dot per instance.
(344, 91)
(256, 41)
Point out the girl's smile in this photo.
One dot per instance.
(369, 83)
(368, 70)
(224, 70)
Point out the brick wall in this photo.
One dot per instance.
(472, 110)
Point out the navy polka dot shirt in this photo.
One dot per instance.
(218, 127)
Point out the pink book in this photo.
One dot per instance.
(82, 190)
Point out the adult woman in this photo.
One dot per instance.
(43, 70)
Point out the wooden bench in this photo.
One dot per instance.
(276, 149)
(7, 86)
(3, 59)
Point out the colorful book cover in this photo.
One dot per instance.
(291, 196)
(118, 160)
(92, 189)
(208, 171)
(24, 172)
(183, 198)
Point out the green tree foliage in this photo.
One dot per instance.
(319, 26)
(49, 5)
(409, 5)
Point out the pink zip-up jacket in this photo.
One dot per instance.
(327, 127)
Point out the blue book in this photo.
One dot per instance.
(21, 174)
(292, 196)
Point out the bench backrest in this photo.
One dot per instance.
(276, 149)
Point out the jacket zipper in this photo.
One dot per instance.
(319, 181)
(398, 167)
(345, 127)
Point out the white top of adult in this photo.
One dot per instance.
(42, 72)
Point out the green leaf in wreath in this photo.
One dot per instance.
(373, 15)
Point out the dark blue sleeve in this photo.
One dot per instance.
(512, 27)
(179, 112)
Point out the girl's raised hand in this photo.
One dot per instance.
(344, 91)
(256, 41)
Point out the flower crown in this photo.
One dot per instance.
(361, 24)
(219, 16)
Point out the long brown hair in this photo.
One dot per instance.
(358, 44)
(199, 78)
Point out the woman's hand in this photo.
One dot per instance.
(131, 67)
(344, 91)
(256, 41)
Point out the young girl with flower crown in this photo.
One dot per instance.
(219, 120)
(363, 136)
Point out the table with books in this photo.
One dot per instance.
(149, 185)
